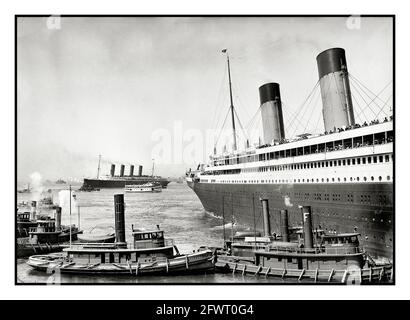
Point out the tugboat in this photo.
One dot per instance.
(26, 220)
(47, 235)
(150, 187)
(326, 257)
(25, 190)
(149, 254)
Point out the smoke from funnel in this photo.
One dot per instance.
(36, 184)
(64, 203)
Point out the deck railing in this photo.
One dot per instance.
(316, 250)
(93, 245)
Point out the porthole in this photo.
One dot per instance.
(351, 179)
(372, 178)
(358, 179)
(333, 179)
(388, 178)
(364, 179)
(344, 179)
(338, 179)
(380, 178)
(323, 180)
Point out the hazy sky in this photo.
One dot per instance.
(107, 85)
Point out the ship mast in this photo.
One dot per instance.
(98, 170)
(70, 219)
(231, 99)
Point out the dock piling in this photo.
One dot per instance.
(344, 276)
(301, 274)
(330, 275)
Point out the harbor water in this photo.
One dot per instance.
(176, 210)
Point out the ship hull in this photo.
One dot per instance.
(366, 208)
(120, 183)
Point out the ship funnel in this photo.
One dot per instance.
(131, 170)
(119, 218)
(57, 218)
(33, 212)
(271, 111)
(335, 89)
(139, 171)
(307, 226)
(284, 225)
(112, 170)
(266, 221)
(122, 170)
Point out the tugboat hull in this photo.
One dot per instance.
(193, 263)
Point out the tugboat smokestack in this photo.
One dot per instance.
(335, 89)
(119, 218)
(122, 170)
(112, 170)
(284, 225)
(266, 221)
(271, 111)
(131, 170)
(57, 218)
(33, 212)
(307, 226)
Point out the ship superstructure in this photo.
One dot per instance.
(345, 173)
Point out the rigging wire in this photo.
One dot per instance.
(380, 92)
(317, 122)
(306, 100)
(311, 114)
(361, 84)
(216, 118)
(292, 113)
(381, 109)
(361, 111)
(368, 104)
(240, 124)
(385, 104)
(364, 100)
(308, 103)
(223, 125)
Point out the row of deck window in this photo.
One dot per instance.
(350, 143)
(309, 165)
(338, 179)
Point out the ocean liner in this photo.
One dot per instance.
(345, 174)
(119, 181)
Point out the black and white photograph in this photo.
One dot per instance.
(204, 149)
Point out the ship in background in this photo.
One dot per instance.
(119, 181)
(345, 174)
